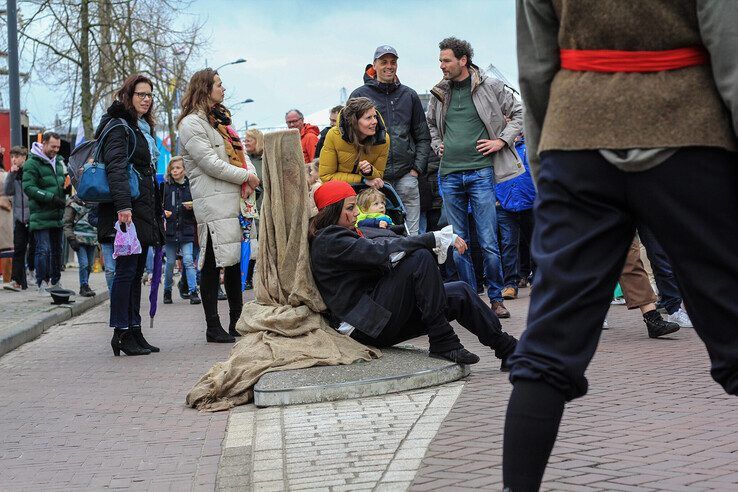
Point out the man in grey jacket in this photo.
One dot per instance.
(468, 119)
(22, 237)
(403, 116)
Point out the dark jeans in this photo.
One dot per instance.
(671, 297)
(125, 294)
(209, 282)
(421, 304)
(24, 249)
(48, 255)
(586, 216)
(515, 232)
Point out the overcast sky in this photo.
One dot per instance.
(300, 53)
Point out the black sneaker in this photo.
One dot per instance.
(221, 295)
(460, 356)
(167, 297)
(85, 291)
(658, 326)
(194, 298)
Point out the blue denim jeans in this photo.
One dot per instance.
(125, 295)
(475, 189)
(109, 261)
(188, 262)
(48, 255)
(85, 258)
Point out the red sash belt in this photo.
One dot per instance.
(633, 61)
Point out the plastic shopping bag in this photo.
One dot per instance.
(126, 243)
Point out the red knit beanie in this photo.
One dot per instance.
(331, 192)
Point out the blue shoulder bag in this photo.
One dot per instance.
(93, 181)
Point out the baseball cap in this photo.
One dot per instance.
(385, 49)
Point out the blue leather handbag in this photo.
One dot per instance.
(93, 181)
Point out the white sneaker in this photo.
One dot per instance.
(56, 286)
(43, 289)
(617, 301)
(605, 325)
(681, 318)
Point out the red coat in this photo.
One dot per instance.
(309, 140)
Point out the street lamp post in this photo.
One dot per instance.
(235, 62)
(16, 136)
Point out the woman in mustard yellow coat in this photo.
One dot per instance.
(355, 150)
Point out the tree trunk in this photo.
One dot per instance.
(86, 105)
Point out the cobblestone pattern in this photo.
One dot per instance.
(653, 420)
(369, 444)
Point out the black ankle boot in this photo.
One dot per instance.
(459, 355)
(232, 327)
(136, 331)
(215, 332)
(124, 341)
(167, 297)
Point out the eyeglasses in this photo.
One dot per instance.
(145, 95)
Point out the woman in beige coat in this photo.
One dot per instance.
(222, 182)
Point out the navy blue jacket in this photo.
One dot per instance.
(517, 194)
(181, 225)
(406, 124)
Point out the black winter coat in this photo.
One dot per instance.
(346, 268)
(406, 124)
(146, 209)
(181, 225)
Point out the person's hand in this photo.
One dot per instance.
(59, 202)
(413, 173)
(253, 181)
(440, 150)
(375, 183)
(187, 205)
(74, 244)
(2, 150)
(365, 168)
(383, 224)
(14, 168)
(246, 190)
(487, 147)
(167, 213)
(460, 245)
(125, 217)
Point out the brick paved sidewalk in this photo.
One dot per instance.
(653, 420)
(74, 416)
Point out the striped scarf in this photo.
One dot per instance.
(220, 119)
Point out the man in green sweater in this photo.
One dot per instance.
(468, 120)
(43, 183)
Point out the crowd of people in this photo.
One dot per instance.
(462, 162)
(418, 211)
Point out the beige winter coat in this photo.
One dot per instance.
(216, 188)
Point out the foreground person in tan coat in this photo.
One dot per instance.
(222, 182)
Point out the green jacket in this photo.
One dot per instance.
(41, 184)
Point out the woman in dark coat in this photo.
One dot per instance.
(134, 105)
(388, 289)
(180, 229)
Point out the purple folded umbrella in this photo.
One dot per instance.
(155, 281)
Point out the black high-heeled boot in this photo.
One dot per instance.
(232, 326)
(136, 331)
(215, 332)
(124, 341)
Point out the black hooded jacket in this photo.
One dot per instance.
(146, 209)
(406, 124)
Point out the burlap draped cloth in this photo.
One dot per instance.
(281, 328)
